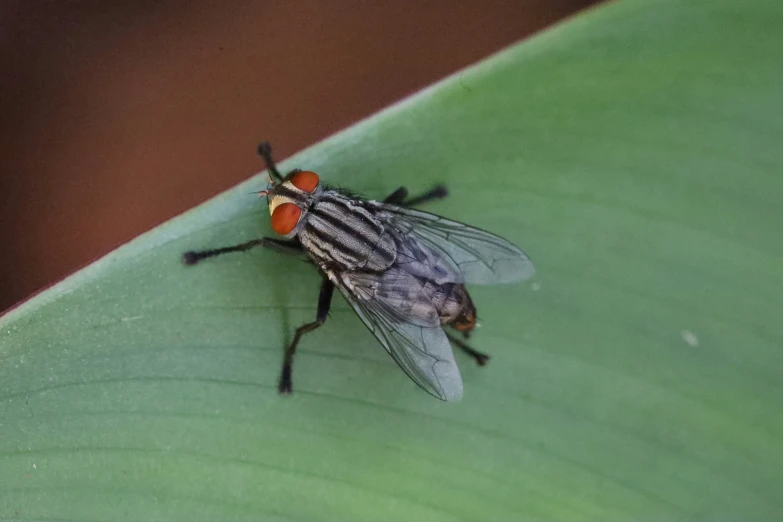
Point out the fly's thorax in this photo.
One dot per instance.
(340, 231)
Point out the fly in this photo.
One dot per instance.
(403, 271)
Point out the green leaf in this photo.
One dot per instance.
(634, 152)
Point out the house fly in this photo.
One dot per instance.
(403, 271)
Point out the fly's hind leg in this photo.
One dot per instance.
(480, 357)
(400, 196)
(192, 257)
(324, 302)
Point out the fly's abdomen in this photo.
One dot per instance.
(337, 232)
(455, 306)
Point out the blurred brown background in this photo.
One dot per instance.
(116, 116)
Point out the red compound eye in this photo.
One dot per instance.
(285, 217)
(305, 180)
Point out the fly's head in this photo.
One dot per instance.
(290, 199)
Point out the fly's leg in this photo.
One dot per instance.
(398, 197)
(285, 246)
(265, 151)
(437, 192)
(480, 357)
(324, 302)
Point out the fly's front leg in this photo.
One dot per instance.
(480, 357)
(265, 151)
(400, 196)
(281, 245)
(324, 302)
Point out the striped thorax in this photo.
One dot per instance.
(339, 232)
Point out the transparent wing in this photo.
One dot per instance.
(467, 254)
(395, 308)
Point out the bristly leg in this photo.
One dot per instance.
(281, 245)
(437, 192)
(284, 387)
(265, 151)
(398, 197)
(481, 358)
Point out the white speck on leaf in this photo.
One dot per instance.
(690, 338)
(536, 286)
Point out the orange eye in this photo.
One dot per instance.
(305, 180)
(285, 217)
